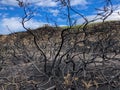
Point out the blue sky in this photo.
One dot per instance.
(49, 12)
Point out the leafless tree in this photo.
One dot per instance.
(71, 58)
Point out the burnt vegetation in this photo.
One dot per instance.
(85, 57)
(84, 60)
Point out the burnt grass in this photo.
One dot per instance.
(88, 60)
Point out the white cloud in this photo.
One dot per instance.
(54, 12)
(78, 2)
(14, 25)
(12, 8)
(9, 2)
(3, 8)
(3, 15)
(113, 17)
(34, 24)
(63, 25)
(60, 20)
(46, 3)
(43, 3)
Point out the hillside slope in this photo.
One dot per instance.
(94, 51)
